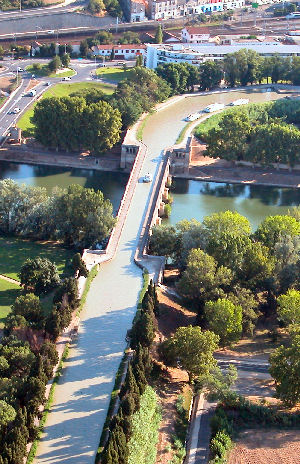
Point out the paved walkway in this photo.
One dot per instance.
(8, 279)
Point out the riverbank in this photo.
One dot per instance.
(75, 160)
(217, 170)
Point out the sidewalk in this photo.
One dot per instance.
(198, 442)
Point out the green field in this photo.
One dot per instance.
(44, 71)
(8, 294)
(15, 251)
(113, 74)
(60, 90)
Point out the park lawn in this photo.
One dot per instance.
(60, 90)
(44, 71)
(14, 251)
(8, 293)
(113, 74)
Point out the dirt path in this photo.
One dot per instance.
(8, 279)
(172, 316)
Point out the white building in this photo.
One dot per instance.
(192, 34)
(198, 53)
(121, 52)
(204, 6)
(164, 9)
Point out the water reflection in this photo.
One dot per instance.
(112, 184)
(196, 199)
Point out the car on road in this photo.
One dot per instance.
(47, 84)
(67, 78)
(16, 110)
(20, 69)
(32, 93)
(147, 178)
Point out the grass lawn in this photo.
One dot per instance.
(60, 90)
(44, 71)
(8, 294)
(15, 251)
(113, 74)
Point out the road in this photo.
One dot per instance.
(253, 380)
(84, 72)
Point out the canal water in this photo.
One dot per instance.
(191, 198)
(112, 184)
(196, 199)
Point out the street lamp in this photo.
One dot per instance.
(36, 28)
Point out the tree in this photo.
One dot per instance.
(289, 307)
(257, 267)
(84, 48)
(210, 75)
(102, 126)
(229, 140)
(65, 60)
(225, 319)
(39, 275)
(7, 413)
(285, 368)
(158, 35)
(273, 228)
(104, 37)
(55, 64)
(227, 236)
(83, 216)
(129, 37)
(244, 297)
(218, 383)
(95, 6)
(30, 308)
(202, 278)
(164, 241)
(139, 60)
(193, 349)
(79, 265)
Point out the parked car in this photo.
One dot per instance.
(147, 178)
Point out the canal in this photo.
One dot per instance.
(112, 184)
(196, 199)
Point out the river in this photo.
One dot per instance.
(112, 184)
(196, 199)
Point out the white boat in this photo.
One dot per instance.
(193, 117)
(214, 107)
(240, 101)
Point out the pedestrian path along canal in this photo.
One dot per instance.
(81, 399)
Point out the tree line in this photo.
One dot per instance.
(260, 133)
(239, 68)
(138, 404)
(93, 121)
(231, 277)
(79, 217)
(26, 365)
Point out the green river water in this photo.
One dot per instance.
(191, 198)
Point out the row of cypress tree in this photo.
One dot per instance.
(139, 369)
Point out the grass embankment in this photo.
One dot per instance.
(202, 129)
(44, 71)
(139, 132)
(60, 90)
(14, 251)
(8, 293)
(182, 133)
(113, 74)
